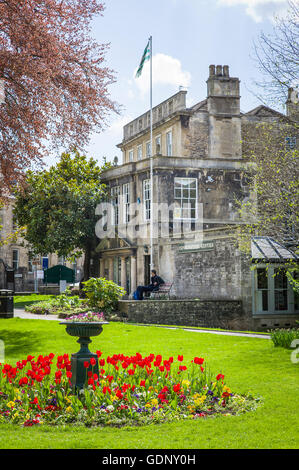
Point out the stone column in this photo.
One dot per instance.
(111, 269)
(133, 274)
(123, 274)
(102, 267)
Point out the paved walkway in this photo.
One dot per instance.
(20, 313)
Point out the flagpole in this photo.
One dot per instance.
(151, 155)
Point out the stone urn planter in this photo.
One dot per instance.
(83, 330)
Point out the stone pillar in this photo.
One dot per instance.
(133, 274)
(110, 269)
(102, 267)
(123, 274)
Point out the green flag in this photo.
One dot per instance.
(146, 56)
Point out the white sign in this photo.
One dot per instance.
(62, 286)
(39, 274)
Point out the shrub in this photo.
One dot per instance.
(62, 303)
(284, 337)
(102, 294)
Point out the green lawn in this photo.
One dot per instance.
(20, 301)
(249, 364)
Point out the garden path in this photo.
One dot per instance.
(20, 313)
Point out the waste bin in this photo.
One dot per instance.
(6, 303)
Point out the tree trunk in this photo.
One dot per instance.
(91, 266)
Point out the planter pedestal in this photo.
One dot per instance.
(84, 331)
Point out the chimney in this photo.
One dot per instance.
(292, 104)
(224, 113)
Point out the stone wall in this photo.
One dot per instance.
(226, 314)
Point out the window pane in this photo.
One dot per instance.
(262, 278)
(265, 300)
(281, 300)
(280, 279)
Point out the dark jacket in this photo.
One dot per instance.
(156, 282)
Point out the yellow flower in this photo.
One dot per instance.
(154, 402)
(186, 382)
(226, 389)
(199, 399)
(148, 405)
(10, 404)
(113, 397)
(69, 409)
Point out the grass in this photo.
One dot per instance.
(249, 364)
(20, 301)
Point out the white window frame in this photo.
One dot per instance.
(169, 146)
(180, 196)
(271, 290)
(115, 202)
(156, 138)
(15, 262)
(126, 203)
(147, 200)
(131, 155)
(139, 152)
(148, 149)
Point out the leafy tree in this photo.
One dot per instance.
(272, 209)
(277, 56)
(54, 80)
(273, 206)
(57, 208)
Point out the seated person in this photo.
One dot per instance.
(156, 281)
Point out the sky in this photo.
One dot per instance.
(188, 36)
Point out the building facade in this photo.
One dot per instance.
(199, 171)
(18, 266)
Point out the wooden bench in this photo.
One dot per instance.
(164, 289)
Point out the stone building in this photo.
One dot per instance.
(198, 171)
(17, 264)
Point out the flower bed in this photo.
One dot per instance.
(129, 390)
(87, 317)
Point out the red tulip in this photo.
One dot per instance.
(198, 360)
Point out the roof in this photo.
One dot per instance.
(267, 249)
(264, 111)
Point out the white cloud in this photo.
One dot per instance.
(166, 71)
(259, 9)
